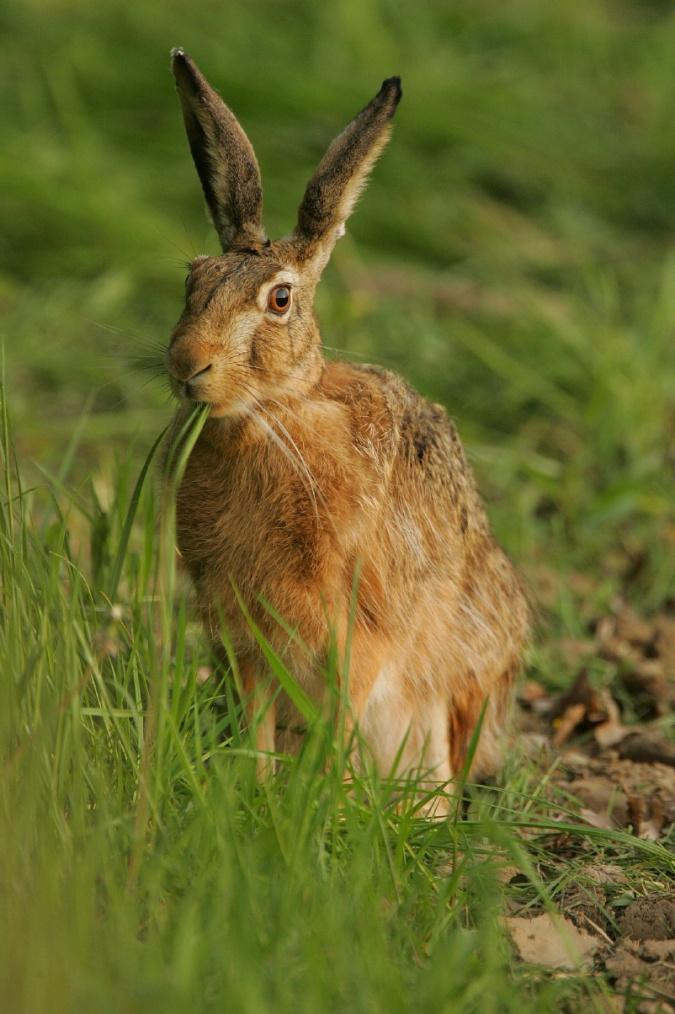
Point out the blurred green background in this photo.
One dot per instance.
(514, 255)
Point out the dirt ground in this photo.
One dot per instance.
(611, 764)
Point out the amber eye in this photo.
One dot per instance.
(279, 299)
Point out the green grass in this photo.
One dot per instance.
(144, 867)
(514, 258)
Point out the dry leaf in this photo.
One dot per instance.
(636, 813)
(605, 873)
(599, 820)
(610, 730)
(551, 941)
(646, 749)
(645, 652)
(575, 759)
(535, 697)
(578, 693)
(652, 829)
(567, 723)
(603, 797)
(609, 733)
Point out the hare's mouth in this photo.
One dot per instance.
(219, 407)
(204, 387)
(192, 387)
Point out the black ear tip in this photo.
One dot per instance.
(392, 87)
(185, 71)
(179, 59)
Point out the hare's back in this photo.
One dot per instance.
(413, 440)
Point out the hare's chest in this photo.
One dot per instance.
(243, 520)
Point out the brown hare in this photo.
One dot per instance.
(308, 472)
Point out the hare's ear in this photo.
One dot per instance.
(223, 155)
(342, 174)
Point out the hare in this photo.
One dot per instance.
(310, 472)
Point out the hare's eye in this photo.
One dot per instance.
(279, 299)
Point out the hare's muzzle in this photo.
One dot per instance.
(187, 378)
(191, 385)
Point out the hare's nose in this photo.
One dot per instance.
(190, 383)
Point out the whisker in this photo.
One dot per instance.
(292, 442)
(154, 363)
(348, 353)
(315, 488)
(241, 379)
(125, 332)
(291, 457)
(308, 474)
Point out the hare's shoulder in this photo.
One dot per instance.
(393, 419)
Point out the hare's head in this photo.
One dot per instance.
(248, 330)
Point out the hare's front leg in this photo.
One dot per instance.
(363, 668)
(260, 709)
(406, 731)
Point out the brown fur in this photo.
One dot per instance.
(306, 469)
